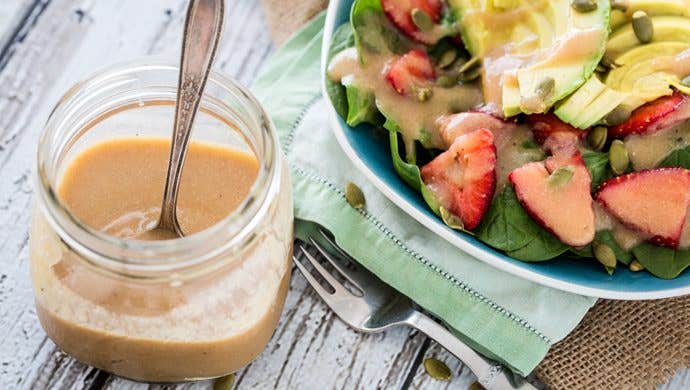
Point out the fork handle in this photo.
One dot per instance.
(490, 374)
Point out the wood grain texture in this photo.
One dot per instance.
(51, 44)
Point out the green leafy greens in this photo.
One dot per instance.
(508, 227)
(662, 262)
(678, 158)
(598, 166)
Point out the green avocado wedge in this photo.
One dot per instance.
(529, 43)
(666, 29)
(651, 7)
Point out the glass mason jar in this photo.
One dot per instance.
(197, 307)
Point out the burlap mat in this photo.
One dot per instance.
(619, 344)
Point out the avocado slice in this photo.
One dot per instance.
(641, 77)
(666, 28)
(571, 109)
(595, 111)
(589, 104)
(546, 39)
(652, 8)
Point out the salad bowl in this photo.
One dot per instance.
(368, 149)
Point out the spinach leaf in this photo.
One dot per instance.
(361, 106)
(503, 225)
(598, 166)
(373, 32)
(409, 172)
(678, 158)
(343, 38)
(543, 246)
(508, 227)
(662, 262)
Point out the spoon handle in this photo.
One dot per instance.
(202, 31)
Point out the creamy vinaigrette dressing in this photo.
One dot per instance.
(647, 151)
(626, 238)
(678, 65)
(511, 153)
(509, 139)
(204, 326)
(416, 120)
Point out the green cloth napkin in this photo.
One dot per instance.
(500, 315)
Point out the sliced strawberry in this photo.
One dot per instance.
(556, 194)
(654, 202)
(400, 13)
(463, 178)
(454, 125)
(545, 125)
(412, 70)
(654, 116)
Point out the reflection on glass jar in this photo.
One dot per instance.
(197, 307)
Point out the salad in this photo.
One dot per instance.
(544, 128)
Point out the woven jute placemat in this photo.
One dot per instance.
(619, 344)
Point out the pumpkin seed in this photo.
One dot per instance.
(597, 138)
(584, 6)
(437, 369)
(451, 219)
(421, 19)
(423, 93)
(476, 386)
(617, 116)
(621, 5)
(605, 255)
(224, 383)
(447, 58)
(561, 176)
(618, 157)
(643, 26)
(474, 61)
(447, 81)
(636, 266)
(686, 81)
(471, 74)
(354, 196)
(545, 88)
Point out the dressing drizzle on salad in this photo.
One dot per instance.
(509, 158)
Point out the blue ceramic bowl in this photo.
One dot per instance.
(369, 151)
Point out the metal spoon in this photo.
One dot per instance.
(202, 31)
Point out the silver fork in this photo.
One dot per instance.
(372, 306)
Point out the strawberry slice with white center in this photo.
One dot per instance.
(411, 71)
(654, 202)
(556, 194)
(463, 178)
(400, 13)
(546, 125)
(654, 116)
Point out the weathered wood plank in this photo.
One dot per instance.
(312, 349)
(82, 37)
(461, 378)
(15, 19)
(64, 43)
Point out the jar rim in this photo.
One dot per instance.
(151, 259)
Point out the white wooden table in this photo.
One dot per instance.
(48, 45)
